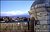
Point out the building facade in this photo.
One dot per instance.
(40, 10)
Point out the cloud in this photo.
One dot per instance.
(11, 13)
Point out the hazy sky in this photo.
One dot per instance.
(10, 8)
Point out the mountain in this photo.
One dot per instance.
(18, 16)
(21, 16)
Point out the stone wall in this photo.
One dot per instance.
(41, 12)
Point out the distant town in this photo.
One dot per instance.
(7, 19)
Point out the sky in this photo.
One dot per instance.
(11, 8)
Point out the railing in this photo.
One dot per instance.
(12, 27)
